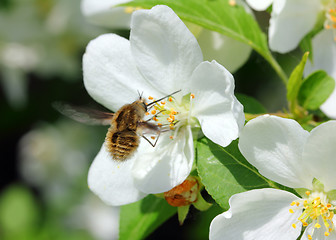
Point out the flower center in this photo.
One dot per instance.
(171, 115)
(330, 22)
(316, 210)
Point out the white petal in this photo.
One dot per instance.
(110, 74)
(104, 13)
(258, 214)
(112, 181)
(324, 57)
(290, 21)
(220, 114)
(165, 50)
(274, 146)
(163, 167)
(259, 5)
(225, 50)
(319, 154)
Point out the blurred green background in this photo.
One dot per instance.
(45, 157)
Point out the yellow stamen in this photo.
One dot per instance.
(150, 98)
(291, 210)
(293, 225)
(153, 111)
(170, 99)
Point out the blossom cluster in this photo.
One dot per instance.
(186, 98)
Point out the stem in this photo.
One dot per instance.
(277, 69)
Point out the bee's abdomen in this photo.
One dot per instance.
(122, 144)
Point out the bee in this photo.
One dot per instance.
(127, 125)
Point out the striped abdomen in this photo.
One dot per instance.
(121, 144)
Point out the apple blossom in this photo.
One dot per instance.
(291, 21)
(286, 153)
(161, 57)
(225, 50)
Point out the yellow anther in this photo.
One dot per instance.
(305, 224)
(317, 225)
(326, 234)
(159, 124)
(293, 203)
(293, 225)
(170, 99)
(153, 111)
(192, 95)
(155, 119)
(147, 113)
(310, 237)
(171, 137)
(330, 229)
(307, 193)
(163, 102)
(152, 137)
(291, 210)
(150, 98)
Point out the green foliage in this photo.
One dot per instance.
(295, 81)
(139, 219)
(251, 105)
(18, 213)
(315, 90)
(224, 171)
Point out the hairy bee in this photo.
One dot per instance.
(127, 125)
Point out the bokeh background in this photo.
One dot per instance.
(45, 157)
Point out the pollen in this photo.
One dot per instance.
(150, 98)
(155, 119)
(163, 102)
(192, 95)
(316, 210)
(170, 99)
(153, 111)
(147, 113)
(152, 137)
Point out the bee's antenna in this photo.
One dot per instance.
(163, 98)
(140, 95)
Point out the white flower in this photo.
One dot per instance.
(230, 53)
(161, 57)
(291, 21)
(284, 152)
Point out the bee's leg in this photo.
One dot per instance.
(157, 138)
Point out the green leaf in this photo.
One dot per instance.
(251, 105)
(315, 90)
(295, 81)
(139, 219)
(220, 16)
(224, 171)
(19, 214)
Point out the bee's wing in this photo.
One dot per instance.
(84, 115)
